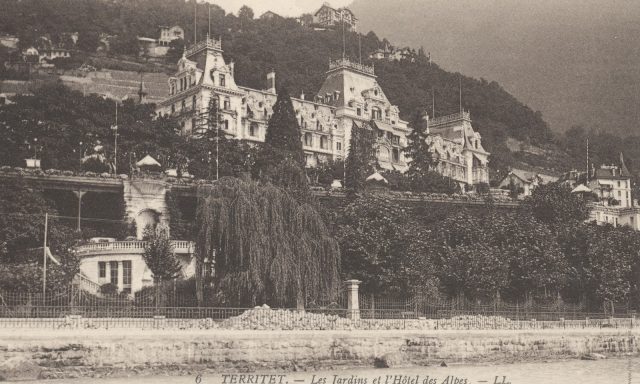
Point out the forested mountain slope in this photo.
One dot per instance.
(300, 56)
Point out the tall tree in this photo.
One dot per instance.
(268, 248)
(283, 131)
(418, 150)
(245, 13)
(361, 159)
(554, 203)
(159, 255)
(382, 247)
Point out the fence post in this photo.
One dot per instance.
(353, 306)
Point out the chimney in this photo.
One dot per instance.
(232, 68)
(302, 95)
(271, 82)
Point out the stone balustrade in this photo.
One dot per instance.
(135, 246)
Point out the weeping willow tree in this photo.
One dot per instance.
(267, 246)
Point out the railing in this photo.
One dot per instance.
(206, 43)
(179, 246)
(344, 62)
(449, 118)
(87, 284)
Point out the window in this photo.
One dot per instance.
(339, 146)
(253, 130)
(227, 103)
(324, 142)
(126, 272)
(173, 108)
(102, 269)
(226, 125)
(308, 139)
(193, 124)
(396, 154)
(222, 80)
(183, 105)
(193, 102)
(376, 113)
(359, 111)
(113, 266)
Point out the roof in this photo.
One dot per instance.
(581, 188)
(611, 172)
(147, 161)
(529, 176)
(381, 125)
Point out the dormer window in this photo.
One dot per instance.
(222, 80)
(376, 113)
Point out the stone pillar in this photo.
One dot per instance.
(353, 307)
(120, 276)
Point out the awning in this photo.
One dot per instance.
(377, 177)
(148, 161)
(383, 126)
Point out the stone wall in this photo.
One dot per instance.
(95, 353)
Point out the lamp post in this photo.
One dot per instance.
(115, 144)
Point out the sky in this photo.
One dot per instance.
(577, 61)
(289, 8)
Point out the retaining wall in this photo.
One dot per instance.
(64, 353)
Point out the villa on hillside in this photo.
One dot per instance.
(159, 47)
(525, 181)
(350, 98)
(329, 17)
(611, 184)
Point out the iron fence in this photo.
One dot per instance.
(74, 308)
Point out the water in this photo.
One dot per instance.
(610, 371)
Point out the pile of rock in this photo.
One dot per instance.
(265, 318)
(476, 322)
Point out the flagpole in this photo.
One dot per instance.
(44, 252)
(115, 154)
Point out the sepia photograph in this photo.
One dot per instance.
(320, 192)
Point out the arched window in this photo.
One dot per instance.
(383, 154)
(308, 139)
(253, 130)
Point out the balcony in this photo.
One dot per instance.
(129, 247)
